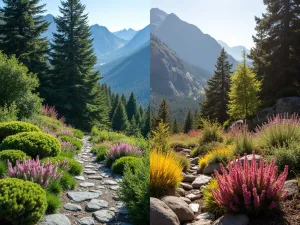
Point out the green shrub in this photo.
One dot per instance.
(119, 165)
(183, 160)
(9, 113)
(45, 123)
(67, 181)
(101, 136)
(74, 167)
(12, 128)
(245, 143)
(66, 154)
(289, 154)
(21, 202)
(19, 86)
(13, 156)
(78, 133)
(3, 168)
(205, 148)
(53, 203)
(134, 192)
(33, 144)
(55, 188)
(101, 155)
(77, 143)
(99, 147)
(211, 132)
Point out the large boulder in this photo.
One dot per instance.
(160, 213)
(288, 105)
(200, 181)
(291, 186)
(210, 168)
(180, 208)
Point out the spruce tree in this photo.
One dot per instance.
(164, 113)
(124, 100)
(188, 123)
(76, 91)
(218, 86)
(244, 90)
(131, 106)
(146, 123)
(175, 127)
(276, 53)
(114, 106)
(21, 26)
(120, 121)
(141, 111)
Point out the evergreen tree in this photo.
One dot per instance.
(277, 52)
(120, 120)
(188, 123)
(141, 111)
(133, 128)
(218, 86)
(138, 117)
(164, 113)
(123, 99)
(243, 95)
(146, 123)
(76, 91)
(21, 26)
(114, 106)
(131, 106)
(175, 127)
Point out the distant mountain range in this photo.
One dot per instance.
(187, 40)
(126, 34)
(123, 58)
(235, 51)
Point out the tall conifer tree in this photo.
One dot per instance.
(120, 120)
(215, 104)
(188, 123)
(131, 106)
(76, 91)
(164, 114)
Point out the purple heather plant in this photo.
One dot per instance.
(67, 132)
(34, 171)
(67, 146)
(121, 150)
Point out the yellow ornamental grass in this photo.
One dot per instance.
(165, 173)
(218, 155)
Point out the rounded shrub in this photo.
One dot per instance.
(77, 143)
(74, 167)
(12, 128)
(120, 164)
(33, 144)
(13, 156)
(21, 202)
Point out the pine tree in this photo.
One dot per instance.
(131, 106)
(160, 136)
(114, 106)
(164, 113)
(175, 127)
(133, 128)
(141, 111)
(243, 95)
(123, 99)
(21, 27)
(146, 123)
(76, 91)
(138, 117)
(277, 52)
(215, 104)
(188, 123)
(120, 120)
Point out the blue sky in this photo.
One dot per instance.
(231, 21)
(114, 14)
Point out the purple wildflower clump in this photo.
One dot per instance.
(34, 171)
(67, 132)
(121, 150)
(67, 146)
(49, 111)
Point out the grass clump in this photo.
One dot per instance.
(205, 148)
(67, 181)
(183, 160)
(74, 141)
(165, 173)
(216, 156)
(211, 132)
(53, 203)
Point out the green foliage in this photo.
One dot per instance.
(164, 114)
(183, 160)
(67, 181)
(76, 142)
(78, 133)
(188, 123)
(145, 129)
(18, 86)
(100, 156)
(131, 106)
(101, 136)
(175, 127)
(13, 156)
(45, 123)
(128, 161)
(244, 90)
(53, 203)
(33, 144)
(245, 143)
(3, 168)
(21, 202)
(55, 188)
(120, 120)
(74, 167)
(12, 128)
(67, 154)
(215, 104)
(211, 132)
(75, 89)
(20, 35)
(205, 148)
(9, 113)
(160, 136)
(134, 191)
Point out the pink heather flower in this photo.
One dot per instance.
(123, 149)
(49, 111)
(250, 186)
(67, 146)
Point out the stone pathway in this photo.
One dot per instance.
(95, 200)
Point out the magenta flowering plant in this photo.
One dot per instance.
(67, 132)
(35, 171)
(49, 111)
(121, 150)
(67, 146)
(250, 187)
